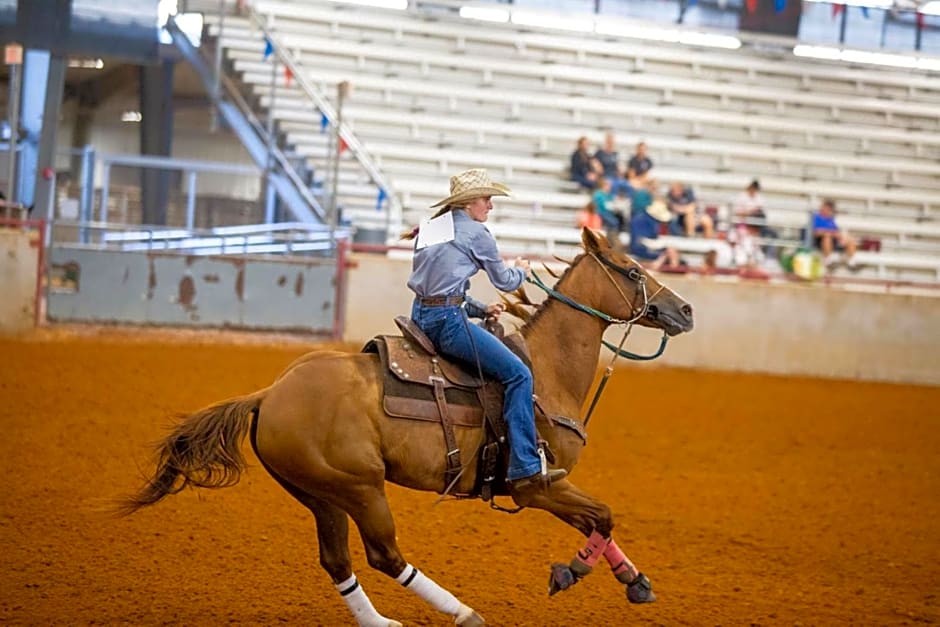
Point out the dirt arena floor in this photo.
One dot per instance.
(746, 499)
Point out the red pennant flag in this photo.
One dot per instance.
(920, 20)
(342, 145)
(288, 76)
(837, 9)
(751, 5)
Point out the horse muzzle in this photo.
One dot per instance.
(671, 320)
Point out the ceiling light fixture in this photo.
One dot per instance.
(484, 14)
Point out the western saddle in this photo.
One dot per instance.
(420, 384)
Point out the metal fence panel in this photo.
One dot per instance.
(175, 289)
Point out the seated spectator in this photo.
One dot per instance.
(685, 210)
(828, 237)
(642, 197)
(644, 228)
(588, 217)
(673, 262)
(714, 261)
(638, 166)
(601, 199)
(582, 166)
(749, 207)
(608, 162)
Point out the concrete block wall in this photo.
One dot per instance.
(810, 330)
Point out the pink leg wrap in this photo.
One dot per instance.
(593, 550)
(623, 568)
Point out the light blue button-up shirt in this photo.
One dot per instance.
(445, 269)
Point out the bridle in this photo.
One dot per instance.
(636, 276)
(633, 274)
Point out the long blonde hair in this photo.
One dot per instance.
(413, 232)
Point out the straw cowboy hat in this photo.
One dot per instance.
(659, 211)
(470, 185)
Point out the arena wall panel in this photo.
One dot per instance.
(18, 267)
(809, 330)
(176, 289)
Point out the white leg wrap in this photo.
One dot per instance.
(360, 605)
(439, 598)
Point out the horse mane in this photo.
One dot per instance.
(521, 306)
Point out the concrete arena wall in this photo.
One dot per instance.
(18, 267)
(750, 327)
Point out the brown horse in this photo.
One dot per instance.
(321, 432)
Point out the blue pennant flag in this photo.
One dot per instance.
(865, 12)
(268, 48)
(324, 122)
(381, 199)
(780, 5)
(691, 3)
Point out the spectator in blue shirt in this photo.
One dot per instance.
(828, 237)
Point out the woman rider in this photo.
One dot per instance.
(440, 278)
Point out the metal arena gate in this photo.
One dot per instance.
(251, 277)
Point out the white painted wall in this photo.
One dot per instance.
(191, 140)
(18, 267)
(785, 329)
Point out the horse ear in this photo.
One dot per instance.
(593, 241)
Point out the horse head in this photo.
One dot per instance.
(627, 291)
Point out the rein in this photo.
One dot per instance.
(633, 274)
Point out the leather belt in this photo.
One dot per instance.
(441, 301)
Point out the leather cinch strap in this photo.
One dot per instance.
(450, 439)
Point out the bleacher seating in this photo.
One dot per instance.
(435, 94)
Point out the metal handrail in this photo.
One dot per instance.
(182, 40)
(267, 238)
(326, 109)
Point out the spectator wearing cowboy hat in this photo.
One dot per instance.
(644, 229)
(440, 278)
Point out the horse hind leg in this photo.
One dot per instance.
(333, 540)
(377, 528)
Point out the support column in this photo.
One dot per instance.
(156, 137)
(81, 130)
(35, 79)
(44, 198)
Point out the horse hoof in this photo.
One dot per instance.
(561, 578)
(640, 590)
(468, 618)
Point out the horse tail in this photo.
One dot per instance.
(202, 451)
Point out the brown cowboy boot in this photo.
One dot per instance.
(538, 480)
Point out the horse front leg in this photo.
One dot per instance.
(593, 519)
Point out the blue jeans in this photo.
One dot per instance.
(454, 336)
(620, 187)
